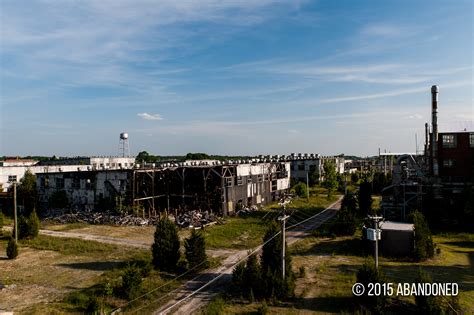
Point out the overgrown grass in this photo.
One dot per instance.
(331, 263)
(247, 231)
(69, 246)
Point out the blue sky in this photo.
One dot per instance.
(230, 77)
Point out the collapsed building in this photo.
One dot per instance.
(207, 185)
(436, 178)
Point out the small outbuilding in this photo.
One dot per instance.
(398, 239)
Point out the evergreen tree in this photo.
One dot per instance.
(195, 250)
(12, 249)
(252, 278)
(345, 223)
(424, 247)
(33, 224)
(26, 191)
(301, 190)
(22, 227)
(165, 249)
(238, 276)
(271, 266)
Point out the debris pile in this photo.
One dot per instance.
(98, 218)
(246, 210)
(196, 219)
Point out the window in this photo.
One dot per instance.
(59, 183)
(12, 178)
(292, 167)
(301, 167)
(76, 183)
(449, 163)
(449, 141)
(260, 178)
(228, 181)
(471, 140)
(44, 182)
(239, 181)
(249, 179)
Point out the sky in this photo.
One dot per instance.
(231, 77)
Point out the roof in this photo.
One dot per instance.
(459, 126)
(396, 226)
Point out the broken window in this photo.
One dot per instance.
(449, 141)
(12, 178)
(260, 178)
(239, 181)
(76, 183)
(301, 167)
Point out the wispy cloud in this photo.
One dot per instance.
(147, 116)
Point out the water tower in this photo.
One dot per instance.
(124, 147)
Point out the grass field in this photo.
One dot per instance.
(247, 231)
(330, 266)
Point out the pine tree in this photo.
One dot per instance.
(424, 247)
(252, 278)
(33, 224)
(271, 266)
(165, 249)
(195, 250)
(12, 249)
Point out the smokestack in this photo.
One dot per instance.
(427, 134)
(434, 124)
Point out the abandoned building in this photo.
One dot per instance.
(303, 165)
(206, 185)
(13, 170)
(442, 173)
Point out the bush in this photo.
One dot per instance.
(28, 227)
(368, 274)
(12, 249)
(195, 250)
(365, 198)
(165, 249)
(301, 190)
(131, 281)
(434, 304)
(424, 247)
(93, 306)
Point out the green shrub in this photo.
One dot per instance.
(93, 306)
(216, 307)
(300, 190)
(165, 249)
(434, 304)
(12, 249)
(131, 281)
(263, 309)
(369, 274)
(28, 228)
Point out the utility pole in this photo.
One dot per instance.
(14, 212)
(283, 243)
(376, 220)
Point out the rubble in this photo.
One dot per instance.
(189, 219)
(98, 218)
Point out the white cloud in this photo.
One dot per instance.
(147, 116)
(415, 116)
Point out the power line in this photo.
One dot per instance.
(241, 260)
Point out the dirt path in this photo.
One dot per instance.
(201, 290)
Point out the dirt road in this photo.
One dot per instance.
(201, 290)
